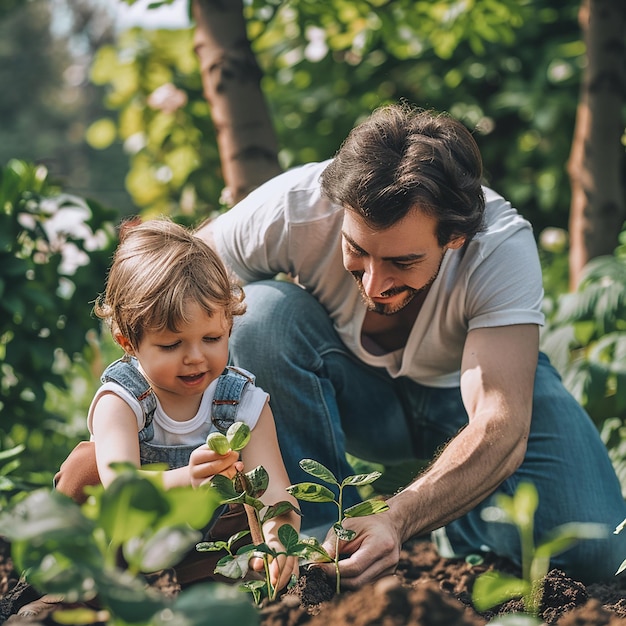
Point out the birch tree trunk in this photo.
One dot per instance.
(231, 79)
(596, 163)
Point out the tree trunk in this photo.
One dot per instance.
(596, 163)
(231, 78)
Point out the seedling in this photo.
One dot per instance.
(247, 489)
(236, 564)
(492, 588)
(314, 492)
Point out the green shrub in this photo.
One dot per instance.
(54, 251)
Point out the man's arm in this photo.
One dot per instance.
(497, 381)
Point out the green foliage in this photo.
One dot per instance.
(247, 489)
(585, 337)
(75, 551)
(314, 492)
(153, 82)
(327, 65)
(44, 57)
(492, 588)
(54, 249)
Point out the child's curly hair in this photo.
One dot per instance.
(158, 267)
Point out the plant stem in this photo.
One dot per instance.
(340, 520)
(256, 533)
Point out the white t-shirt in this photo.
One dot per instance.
(169, 432)
(287, 226)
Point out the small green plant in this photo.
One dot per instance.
(314, 492)
(236, 438)
(73, 550)
(247, 489)
(492, 588)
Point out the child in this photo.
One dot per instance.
(170, 305)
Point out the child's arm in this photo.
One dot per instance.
(263, 450)
(114, 428)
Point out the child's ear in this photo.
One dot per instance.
(124, 343)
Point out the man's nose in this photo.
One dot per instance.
(375, 281)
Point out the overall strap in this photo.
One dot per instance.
(230, 387)
(124, 372)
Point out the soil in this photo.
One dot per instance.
(426, 590)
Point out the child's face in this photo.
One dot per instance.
(184, 363)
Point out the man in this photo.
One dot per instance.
(412, 331)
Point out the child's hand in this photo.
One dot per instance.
(204, 463)
(281, 568)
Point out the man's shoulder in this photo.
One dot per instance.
(501, 218)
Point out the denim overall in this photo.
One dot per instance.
(230, 387)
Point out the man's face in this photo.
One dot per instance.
(394, 265)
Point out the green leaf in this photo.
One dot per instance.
(280, 508)
(310, 549)
(288, 536)
(233, 567)
(238, 434)
(344, 533)
(11, 453)
(216, 604)
(128, 598)
(318, 470)
(45, 514)
(164, 548)
(258, 480)
(211, 546)
(368, 507)
(218, 443)
(311, 492)
(563, 537)
(493, 588)
(189, 506)
(131, 505)
(361, 479)
(223, 486)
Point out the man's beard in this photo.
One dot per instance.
(390, 309)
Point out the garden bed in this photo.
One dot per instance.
(426, 591)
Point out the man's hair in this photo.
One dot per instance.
(158, 268)
(402, 158)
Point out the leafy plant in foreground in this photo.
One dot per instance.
(99, 550)
(314, 492)
(492, 588)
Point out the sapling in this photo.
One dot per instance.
(314, 492)
(492, 588)
(245, 488)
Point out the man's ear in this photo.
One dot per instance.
(456, 242)
(124, 343)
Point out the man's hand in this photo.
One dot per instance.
(204, 463)
(373, 553)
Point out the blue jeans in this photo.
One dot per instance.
(326, 402)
